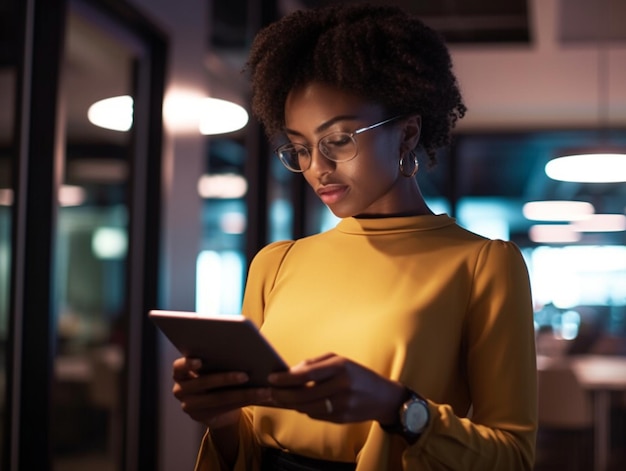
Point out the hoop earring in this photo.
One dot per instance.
(415, 165)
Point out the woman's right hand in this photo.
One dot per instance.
(213, 398)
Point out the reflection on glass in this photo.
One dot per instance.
(571, 276)
(280, 202)
(90, 257)
(221, 264)
(219, 285)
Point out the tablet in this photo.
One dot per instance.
(223, 343)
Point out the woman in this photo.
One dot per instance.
(411, 338)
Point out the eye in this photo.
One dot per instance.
(336, 140)
(301, 151)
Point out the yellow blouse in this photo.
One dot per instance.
(419, 300)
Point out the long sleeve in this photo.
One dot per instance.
(248, 458)
(501, 376)
(418, 300)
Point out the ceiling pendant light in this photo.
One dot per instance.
(604, 163)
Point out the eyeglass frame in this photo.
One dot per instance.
(277, 150)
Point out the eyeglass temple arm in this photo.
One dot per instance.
(375, 125)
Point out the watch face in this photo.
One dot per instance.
(415, 416)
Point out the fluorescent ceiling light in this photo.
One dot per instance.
(72, 195)
(601, 223)
(6, 197)
(221, 116)
(69, 195)
(553, 234)
(114, 113)
(557, 210)
(224, 186)
(588, 168)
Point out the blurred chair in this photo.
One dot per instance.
(609, 345)
(549, 345)
(565, 415)
(106, 393)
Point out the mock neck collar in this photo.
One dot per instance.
(373, 226)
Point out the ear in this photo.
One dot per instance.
(411, 132)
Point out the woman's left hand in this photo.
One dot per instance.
(336, 389)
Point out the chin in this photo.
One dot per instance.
(341, 213)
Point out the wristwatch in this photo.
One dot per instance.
(413, 417)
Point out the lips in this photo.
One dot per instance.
(330, 194)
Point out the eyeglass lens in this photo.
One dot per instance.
(337, 146)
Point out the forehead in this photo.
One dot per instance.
(317, 103)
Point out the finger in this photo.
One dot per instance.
(319, 409)
(315, 370)
(225, 400)
(208, 382)
(320, 358)
(308, 398)
(332, 408)
(208, 408)
(184, 368)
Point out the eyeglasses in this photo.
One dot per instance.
(336, 146)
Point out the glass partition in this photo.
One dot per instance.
(91, 246)
(8, 91)
(7, 107)
(78, 270)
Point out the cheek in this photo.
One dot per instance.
(382, 165)
(372, 175)
(383, 157)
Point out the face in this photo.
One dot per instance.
(370, 184)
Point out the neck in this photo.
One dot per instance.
(409, 202)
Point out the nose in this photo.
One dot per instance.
(320, 164)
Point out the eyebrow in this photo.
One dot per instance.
(324, 126)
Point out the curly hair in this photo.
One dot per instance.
(377, 52)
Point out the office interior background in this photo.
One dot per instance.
(161, 210)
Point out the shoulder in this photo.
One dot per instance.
(272, 254)
(484, 247)
(502, 260)
(271, 257)
(261, 277)
(500, 250)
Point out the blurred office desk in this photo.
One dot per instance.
(600, 374)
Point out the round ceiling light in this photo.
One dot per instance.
(221, 116)
(189, 111)
(115, 113)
